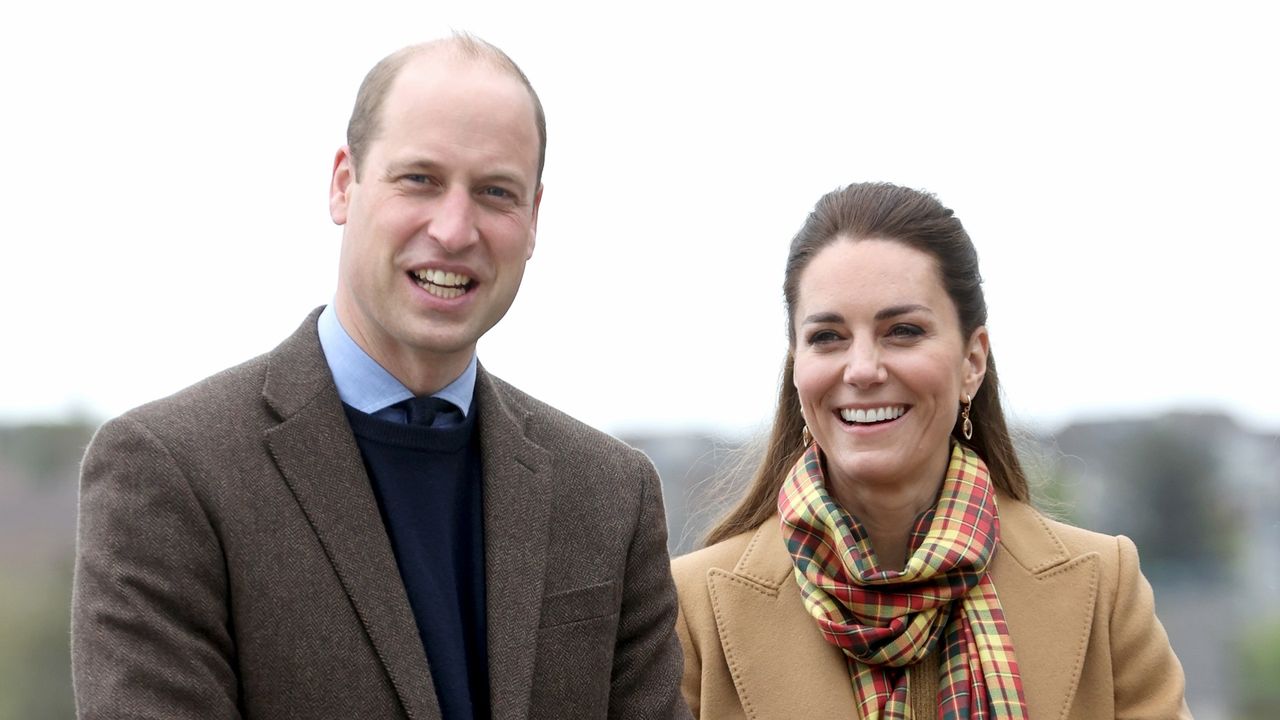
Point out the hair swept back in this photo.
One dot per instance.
(918, 220)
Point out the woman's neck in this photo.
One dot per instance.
(887, 511)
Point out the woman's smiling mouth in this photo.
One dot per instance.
(871, 416)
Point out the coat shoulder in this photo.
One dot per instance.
(1039, 542)
(690, 571)
(225, 404)
(1077, 539)
(569, 437)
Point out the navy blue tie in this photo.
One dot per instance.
(423, 410)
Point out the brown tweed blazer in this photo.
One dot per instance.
(232, 562)
(1080, 614)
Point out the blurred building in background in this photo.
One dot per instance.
(1197, 493)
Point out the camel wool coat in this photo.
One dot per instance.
(1081, 617)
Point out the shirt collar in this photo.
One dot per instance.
(367, 386)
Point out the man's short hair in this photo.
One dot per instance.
(366, 117)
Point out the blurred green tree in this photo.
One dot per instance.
(1258, 672)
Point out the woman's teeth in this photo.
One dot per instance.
(872, 415)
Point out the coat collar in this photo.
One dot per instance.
(780, 664)
(316, 453)
(517, 488)
(1047, 596)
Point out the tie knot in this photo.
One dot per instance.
(423, 410)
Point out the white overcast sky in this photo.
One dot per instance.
(165, 200)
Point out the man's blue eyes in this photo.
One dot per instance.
(495, 192)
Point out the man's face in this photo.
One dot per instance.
(442, 219)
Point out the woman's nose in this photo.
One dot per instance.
(863, 366)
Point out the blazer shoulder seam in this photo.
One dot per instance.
(152, 438)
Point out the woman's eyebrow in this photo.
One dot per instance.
(896, 310)
(824, 317)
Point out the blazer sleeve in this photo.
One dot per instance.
(1149, 683)
(691, 683)
(149, 631)
(647, 662)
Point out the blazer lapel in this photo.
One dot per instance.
(317, 455)
(780, 664)
(516, 498)
(1048, 599)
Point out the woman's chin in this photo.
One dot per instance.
(865, 467)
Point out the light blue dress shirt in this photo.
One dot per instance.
(368, 387)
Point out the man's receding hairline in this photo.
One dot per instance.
(366, 123)
(460, 46)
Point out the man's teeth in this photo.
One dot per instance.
(872, 415)
(448, 293)
(442, 284)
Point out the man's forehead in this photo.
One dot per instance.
(459, 101)
(442, 73)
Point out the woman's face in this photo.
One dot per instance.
(881, 365)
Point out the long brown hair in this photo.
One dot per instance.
(918, 220)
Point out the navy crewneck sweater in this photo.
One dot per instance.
(428, 485)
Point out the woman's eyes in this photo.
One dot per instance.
(900, 331)
(906, 331)
(819, 337)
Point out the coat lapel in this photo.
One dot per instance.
(317, 455)
(516, 498)
(1048, 598)
(780, 664)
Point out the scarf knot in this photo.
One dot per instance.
(884, 620)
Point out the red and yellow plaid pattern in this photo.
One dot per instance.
(886, 620)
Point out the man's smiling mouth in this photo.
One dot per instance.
(442, 284)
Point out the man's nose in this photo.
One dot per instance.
(453, 223)
(863, 365)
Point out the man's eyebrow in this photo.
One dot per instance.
(410, 166)
(503, 176)
(499, 175)
(896, 310)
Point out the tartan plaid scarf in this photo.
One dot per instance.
(885, 620)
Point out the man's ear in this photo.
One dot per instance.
(975, 361)
(344, 176)
(533, 226)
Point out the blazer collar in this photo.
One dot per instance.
(313, 447)
(317, 455)
(782, 667)
(517, 489)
